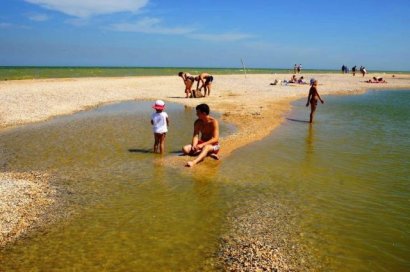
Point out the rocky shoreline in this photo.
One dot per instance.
(262, 237)
(25, 199)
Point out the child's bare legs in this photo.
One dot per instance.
(162, 143)
(156, 142)
(159, 145)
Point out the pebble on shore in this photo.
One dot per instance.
(20, 214)
(261, 237)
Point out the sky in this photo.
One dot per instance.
(319, 34)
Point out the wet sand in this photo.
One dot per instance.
(250, 103)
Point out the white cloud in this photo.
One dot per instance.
(150, 25)
(227, 37)
(38, 17)
(5, 25)
(13, 26)
(77, 21)
(155, 26)
(87, 8)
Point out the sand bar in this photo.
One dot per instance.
(250, 103)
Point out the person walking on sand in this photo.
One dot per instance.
(206, 81)
(188, 81)
(205, 138)
(364, 72)
(160, 123)
(313, 97)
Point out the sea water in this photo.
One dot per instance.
(30, 72)
(345, 178)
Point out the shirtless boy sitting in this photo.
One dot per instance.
(207, 144)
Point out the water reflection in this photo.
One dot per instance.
(310, 141)
(159, 168)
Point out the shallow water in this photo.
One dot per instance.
(133, 211)
(345, 178)
(347, 175)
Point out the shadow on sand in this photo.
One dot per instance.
(140, 150)
(297, 120)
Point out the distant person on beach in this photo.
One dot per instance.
(313, 97)
(295, 69)
(299, 68)
(188, 81)
(376, 80)
(206, 80)
(301, 80)
(354, 70)
(205, 138)
(276, 82)
(160, 123)
(293, 79)
(363, 70)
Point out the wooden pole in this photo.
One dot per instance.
(243, 66)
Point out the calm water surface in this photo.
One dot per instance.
(133, 211)
(346, 178)
(30, 72)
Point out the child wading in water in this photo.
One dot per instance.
(313, 97)
(160, 123)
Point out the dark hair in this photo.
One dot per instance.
(180, 73)
(204, 108)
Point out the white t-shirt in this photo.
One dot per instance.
(160, 122)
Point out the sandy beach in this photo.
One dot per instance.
(254, 106)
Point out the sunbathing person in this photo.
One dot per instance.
(301, 81)
(293, 79)
(376, 80)
(380, 80)
(276, 82)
